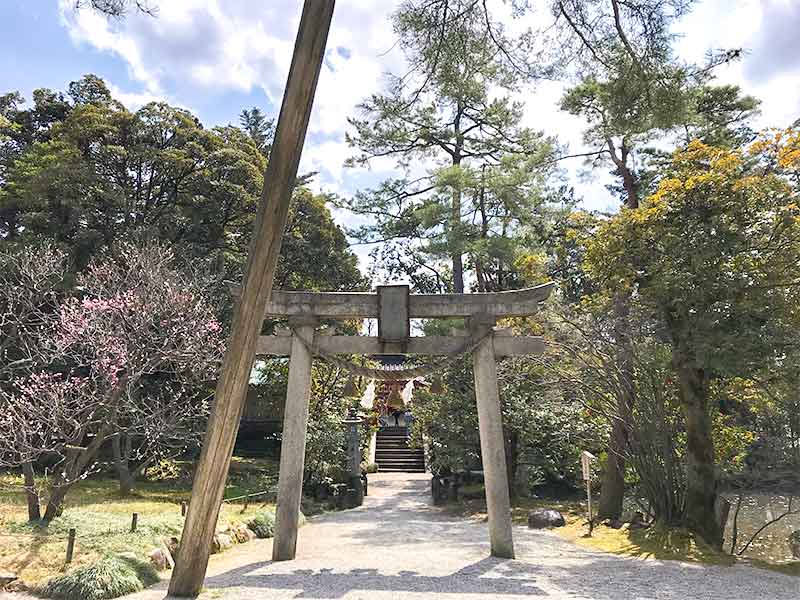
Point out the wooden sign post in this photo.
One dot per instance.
(587, 458)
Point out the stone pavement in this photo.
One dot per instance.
(397, 546)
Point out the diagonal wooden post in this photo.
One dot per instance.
(279, 180)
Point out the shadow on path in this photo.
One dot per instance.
(326, 583)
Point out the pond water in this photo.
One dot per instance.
(756, 510)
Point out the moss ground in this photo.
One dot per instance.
(102, 519)
(653, 543)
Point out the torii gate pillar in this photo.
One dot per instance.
(293, 441)
(490, 423)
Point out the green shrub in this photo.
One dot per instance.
(109, 577)
(263, 524)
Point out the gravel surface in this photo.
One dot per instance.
(397, 546)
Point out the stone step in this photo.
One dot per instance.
(394, 459)
(396, 462)
(393, 455)
(401, 470)
(399, 454)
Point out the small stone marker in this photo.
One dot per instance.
(158, 559)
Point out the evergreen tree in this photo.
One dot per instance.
(471, 169)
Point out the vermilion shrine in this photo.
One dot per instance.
(393, 306)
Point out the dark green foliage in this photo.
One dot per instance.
(545, 430)
(109, 577)
(84, 172)
(260, 128)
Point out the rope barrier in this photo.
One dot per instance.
(390, 373)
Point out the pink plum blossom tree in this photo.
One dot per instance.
(130, 359)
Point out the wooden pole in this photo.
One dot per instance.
(589, 505)
(293, 443)
(183, 509)
(134, 521)
(70, 545)
(490, 423)
(586, 470)
(279, 180)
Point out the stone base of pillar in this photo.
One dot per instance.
(355, 492)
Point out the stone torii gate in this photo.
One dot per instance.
(256, 300)
(394, 307)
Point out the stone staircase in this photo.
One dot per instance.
(393, 455)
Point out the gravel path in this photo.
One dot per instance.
(398, 547)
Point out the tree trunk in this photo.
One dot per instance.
(480, 273)
(612, 492)
(55, 501)
(701, 477)
(31, 494)
(121, 462)
(454, 240)
(458, 274)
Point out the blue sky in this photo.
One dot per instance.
(216, 57)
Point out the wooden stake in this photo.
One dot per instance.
(212, 469)
(134, 521)
(183, 509)
(70, 545)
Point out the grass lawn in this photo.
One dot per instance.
(653, 543)
(102, 519)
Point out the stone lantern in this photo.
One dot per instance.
(355, 489)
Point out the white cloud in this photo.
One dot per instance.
(766, 30)
(241, 45)
(135, 100)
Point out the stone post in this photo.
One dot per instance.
(352, 424)
(293, 442)
(490, 423)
